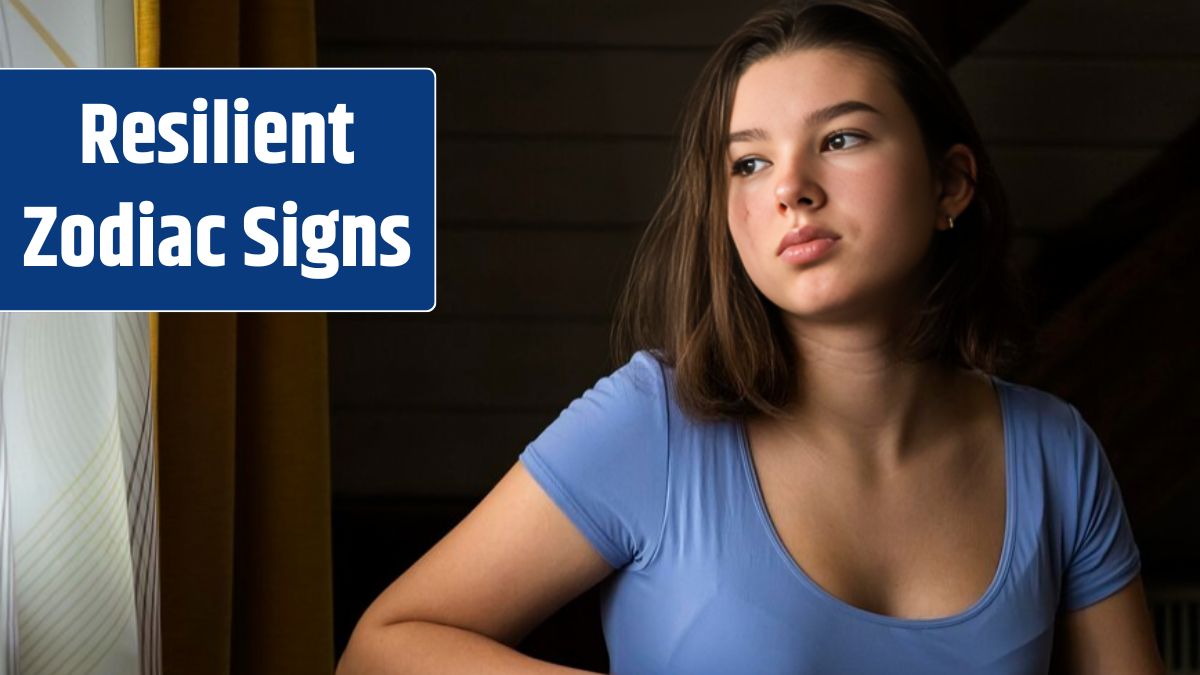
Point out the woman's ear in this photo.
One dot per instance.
(956, 182)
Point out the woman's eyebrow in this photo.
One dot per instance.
(819, 116)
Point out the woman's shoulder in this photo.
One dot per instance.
(631, 399)
(646, 372)
(603, 460)
(1047, 423)
(1037, 411)
(1097, 552)
(635, 393)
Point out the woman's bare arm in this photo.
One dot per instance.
(1115, 635)
(509, 564)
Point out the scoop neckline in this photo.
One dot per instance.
(980, 604)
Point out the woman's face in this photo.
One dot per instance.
(857, 174)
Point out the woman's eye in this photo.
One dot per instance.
(837, 140)
(744, 167)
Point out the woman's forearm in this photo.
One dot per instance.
(413, 647)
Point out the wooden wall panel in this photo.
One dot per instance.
(430, 453)
(1058, 27)
(530, 23)
(1051, 187)
(567, 181)
(519, 272)
(546, 92)
(420, 363)
(429, 406)
(513, 273)
(1017, 100)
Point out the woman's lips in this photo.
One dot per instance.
(808, 251)
(806, 244)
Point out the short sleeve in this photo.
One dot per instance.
(1104, 557)
(603, 461)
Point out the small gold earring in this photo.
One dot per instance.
(951, 219)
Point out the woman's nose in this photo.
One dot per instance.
(796, 190)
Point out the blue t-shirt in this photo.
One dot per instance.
(704, 584)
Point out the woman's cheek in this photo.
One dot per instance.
(738, 212)
(742, 231)
(746, 213)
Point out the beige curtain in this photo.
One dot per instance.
(243, 426)
(230, 33)
(244, 473)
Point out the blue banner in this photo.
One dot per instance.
(239, 189)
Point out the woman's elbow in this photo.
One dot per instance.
(365, 651)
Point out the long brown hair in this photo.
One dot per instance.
(688, 299)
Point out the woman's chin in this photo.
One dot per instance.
(809, 310)
(827, 309)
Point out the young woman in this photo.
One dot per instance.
(804, 464)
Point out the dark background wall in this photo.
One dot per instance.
(555, 130)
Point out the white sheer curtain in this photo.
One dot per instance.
(78, 494)
(54, 33)
(80, 556)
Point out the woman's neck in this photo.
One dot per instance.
(857, 400)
